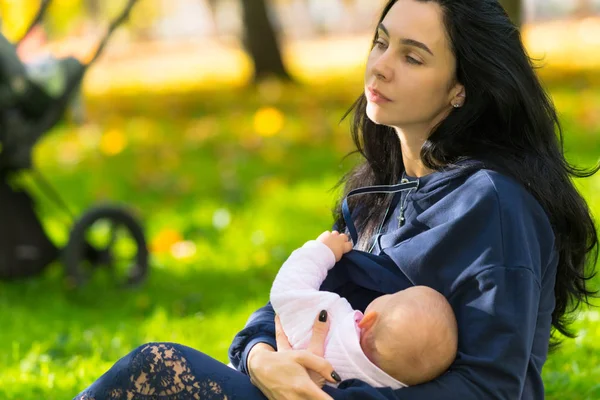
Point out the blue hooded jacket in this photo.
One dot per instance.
(484, 242)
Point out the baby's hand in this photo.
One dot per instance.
(337, 242)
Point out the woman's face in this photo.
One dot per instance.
(410, 74)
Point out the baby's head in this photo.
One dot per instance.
(412, 335)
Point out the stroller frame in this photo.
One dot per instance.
(27, 112)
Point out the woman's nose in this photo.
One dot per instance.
(382, 70)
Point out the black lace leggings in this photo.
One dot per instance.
(170, 371)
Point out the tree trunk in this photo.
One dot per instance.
(261, 41)
(514, 8)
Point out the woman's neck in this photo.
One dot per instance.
(411, 144)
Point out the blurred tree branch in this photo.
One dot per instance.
(36, 20)
(112, 27)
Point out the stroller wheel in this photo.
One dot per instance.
(106, 237)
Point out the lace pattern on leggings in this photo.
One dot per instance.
(159, 372)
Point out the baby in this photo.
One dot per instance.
(403, 339)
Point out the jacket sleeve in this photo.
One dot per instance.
(295, 294)
(497, 312)
(260, 328)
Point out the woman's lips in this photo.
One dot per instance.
(375, 97)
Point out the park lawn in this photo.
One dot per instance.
(227, 189)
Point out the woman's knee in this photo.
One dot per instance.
(155, 354)
(158, 368)
(146, 347)
(166, 369)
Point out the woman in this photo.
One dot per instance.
(489, 218)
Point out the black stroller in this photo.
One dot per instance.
(28, 109)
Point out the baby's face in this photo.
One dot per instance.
(367, 334)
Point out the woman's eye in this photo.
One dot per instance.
(414, 61)
(379, 43)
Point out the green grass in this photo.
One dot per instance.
(191, 156)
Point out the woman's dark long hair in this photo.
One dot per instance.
(507, 120)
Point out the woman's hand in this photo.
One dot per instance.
(316, 345)
(286, 374)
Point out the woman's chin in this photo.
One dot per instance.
(377, 116)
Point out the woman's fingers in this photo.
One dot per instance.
(316, 378)
(319, 334)
(315, 392)
(282, 375)
(280, 337)
(318, 365)
(306, 391)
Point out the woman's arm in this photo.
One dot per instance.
(497, 313)
(260, 328)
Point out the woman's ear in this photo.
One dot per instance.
(458, 100)
(368, 320)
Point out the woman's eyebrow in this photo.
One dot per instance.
(407, 42)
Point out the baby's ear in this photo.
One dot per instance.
(368, 320)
